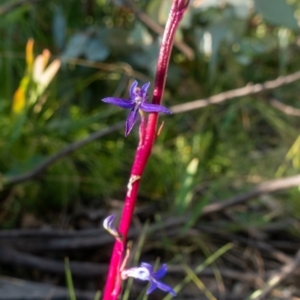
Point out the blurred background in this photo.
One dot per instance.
(64, 161)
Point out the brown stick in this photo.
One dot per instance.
(285, 271)
(249, 89)
(35, 241)
(88, 240)
(16, 288)
(286, 109)
(263, 188)
(65, 151)
(259, 244)
(10, 257)
(145, 19)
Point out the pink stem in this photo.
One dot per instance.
(113, 283)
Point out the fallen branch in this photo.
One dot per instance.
(263, 188)
(213, 228)
(62, 240)
(158, 29)
(13, 257)
(34, 241)
(9, 256)
(249, 89)
(15, 288)
(122, 67)
(62, 153)
(286, 109)
(286, 270)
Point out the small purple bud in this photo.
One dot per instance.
(108, 225)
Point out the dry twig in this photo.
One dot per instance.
(263, 188)
(91, 240)
(35, 241)
(146, 20)
(249, 89)
(65, 151)
(11, 256)
(286, 270)
(286, 109)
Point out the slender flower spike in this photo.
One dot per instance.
(182, 4)
(145, 273)
(137, 102)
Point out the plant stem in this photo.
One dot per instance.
(113, 283)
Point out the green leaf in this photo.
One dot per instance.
(164, 11)
(277, 12)
(241, 7)
(153, 9)
(23, 166)
(69, 279)
(140, 35)
(218, 32)
(185, 193)
(146, 57)
(63, 126)
(59, 27)
(115, 39)
(96, 50)
(76, 46)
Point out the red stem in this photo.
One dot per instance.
(113, 283)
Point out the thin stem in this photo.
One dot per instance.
(113, 283)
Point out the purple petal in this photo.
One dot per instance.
(147, 107)
(152, 287)
(161, 272)
(144, 89)
(108, 222)
(132, 90)
(147, 266)
(119, 102)
(131, 119)
(108, 225)
(164, 287)
(140, 273)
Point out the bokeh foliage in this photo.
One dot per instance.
(209, 153)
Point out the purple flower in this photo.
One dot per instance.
(108, 225)
(145, 273)
(137, 101)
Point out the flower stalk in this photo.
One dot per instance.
(148, 134)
